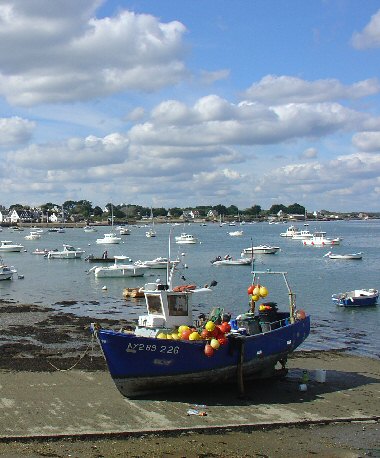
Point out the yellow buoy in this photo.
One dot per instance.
(263, 291)
(194, 336)
(255, 297)
(256, 291)
(215, 344)
(210, 326)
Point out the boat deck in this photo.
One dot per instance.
(87, 404)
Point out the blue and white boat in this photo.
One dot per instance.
(356, 298)
(153, 358)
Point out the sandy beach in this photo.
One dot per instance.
(58, 399)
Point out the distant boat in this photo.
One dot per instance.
(157, 263)
(119, 269)
(260, 249)
(356, 298)
(89, 229)
(186, 239)
(228, 261)
(6, 273)
(303, 235)
(110, 237)
(319, 240)
(332, 255)
(33, 236)
(68, 252)
(9, 246)
(236, 233)
(151, 232)
(291, 231)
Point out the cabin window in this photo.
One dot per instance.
(178, 305)
(154, 305)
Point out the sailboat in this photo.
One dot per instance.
(111, 237)
(151, 232)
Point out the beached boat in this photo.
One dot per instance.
(68, 252)
(319, 239)
(355, 256)
(185, 239)
(119, 269)
(8, 246)
(260, 249)
(169, 348)
(356, 298)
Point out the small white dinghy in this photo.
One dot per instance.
(332, 255)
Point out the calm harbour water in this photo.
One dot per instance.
(312, 277)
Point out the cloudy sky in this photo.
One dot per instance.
(183, 103)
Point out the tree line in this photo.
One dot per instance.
(84, 209)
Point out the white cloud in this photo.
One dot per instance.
(74, 153)
(64, 53)
(367, 141)
(215, 121)
(309, 153)
(323, 180)
(370, 36)
(288, 89)
(15, 131)
(211, 77)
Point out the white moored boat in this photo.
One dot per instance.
(260, 249)
(110, 238)
(68, 252)
(6, 273)
(158, 263)
(33, 236)
(303, 235)
(332, 255)
(89, 229)
(8, 246)
(290, 231)
(319, 240)
(228, 261)
(120, 269)
(185, 239)
(236, 233)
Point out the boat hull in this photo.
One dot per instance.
(356, 300)
(237, 262)
(143, 365)
(64, 255)
(6, 275)
(128, 271)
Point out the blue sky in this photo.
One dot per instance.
(184, 103)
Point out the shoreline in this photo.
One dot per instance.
(58, 399)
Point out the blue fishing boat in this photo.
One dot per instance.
(168, 348)
(356, 298)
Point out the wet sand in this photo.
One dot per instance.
(57, 399)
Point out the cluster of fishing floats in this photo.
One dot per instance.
(214, 332)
